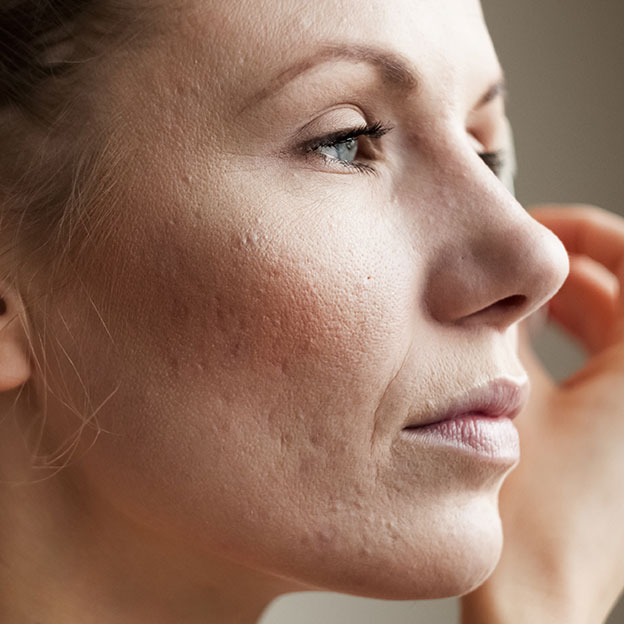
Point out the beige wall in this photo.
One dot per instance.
(564, 65)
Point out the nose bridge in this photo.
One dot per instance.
(494, 264)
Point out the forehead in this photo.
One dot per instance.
(241, 44)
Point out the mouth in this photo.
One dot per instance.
(478, 422)
(501, 398)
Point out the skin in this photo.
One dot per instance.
(272, 321)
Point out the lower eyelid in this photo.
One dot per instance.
(334, 165)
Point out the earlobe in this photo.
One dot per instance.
(15, 363)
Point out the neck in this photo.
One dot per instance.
(63, 561)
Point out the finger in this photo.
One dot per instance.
(587, 230)
(586, 305)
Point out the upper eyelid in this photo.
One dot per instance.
(334, 138)
(373, 130)
(367, 119)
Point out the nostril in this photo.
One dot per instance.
(513, 301)
(501, 312)
(504, 309)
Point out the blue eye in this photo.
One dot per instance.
(345, 151)
(342, 147)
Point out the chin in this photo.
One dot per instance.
(450, 552)
(455, 569)
(471, 551)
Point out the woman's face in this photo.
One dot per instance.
(275, 314)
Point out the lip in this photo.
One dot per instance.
(499, 398)
(477, 422)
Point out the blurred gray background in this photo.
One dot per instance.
(564, 66)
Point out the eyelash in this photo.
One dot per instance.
(372, 131)
(494, 160)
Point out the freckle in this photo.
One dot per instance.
(368, 277)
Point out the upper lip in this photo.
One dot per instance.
(501, 397)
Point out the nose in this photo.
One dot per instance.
(495, 264)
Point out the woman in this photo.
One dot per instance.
(262, 292)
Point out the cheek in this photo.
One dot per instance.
(270, 314)
(255, 351)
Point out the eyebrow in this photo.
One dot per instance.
(394, 70)
(497, 89)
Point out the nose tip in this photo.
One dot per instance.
(548, 261)
(497, 276)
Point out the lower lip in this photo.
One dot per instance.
(495, 438)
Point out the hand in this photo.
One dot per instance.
(562, 508)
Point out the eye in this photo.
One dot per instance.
(495, 161)
(341, 148)
(345, 151)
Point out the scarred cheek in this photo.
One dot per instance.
(309, 314)
(279, 311)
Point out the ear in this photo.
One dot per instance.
(15, 362)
